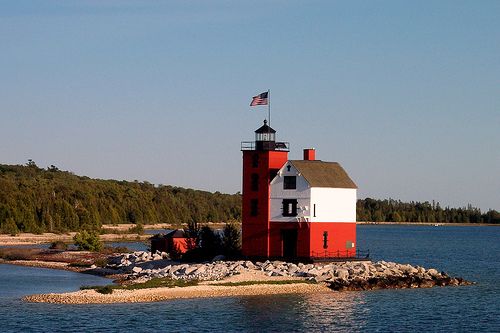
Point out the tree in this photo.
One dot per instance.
(192, 234)
(231, 239)
(88, 241)
(9, 227)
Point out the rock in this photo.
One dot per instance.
(136, 269)
(220, 257)
(300, 273)
(200, 270)
(314, 272)
(269, 267)
(420, 270)
(427, 284)
(432, 272)
(341, 273)
(339, 276)
(190, 270)
(443, 274)
(321, 278)
(248, 264)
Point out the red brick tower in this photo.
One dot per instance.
(261, 161)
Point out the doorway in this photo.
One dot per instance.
(289, 237)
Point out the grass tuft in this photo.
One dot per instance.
(249, 283)
(80, 264)
(153, 283)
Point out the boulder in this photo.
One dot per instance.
(292, 269)
(248, 264)
(342, 273)
(220, 257)
(432, 272)
(136, 269)
(321, 278)
(190, 270)
(314, 272)
(427, 283)
(200, 270)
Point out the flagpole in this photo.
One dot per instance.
(269, 106)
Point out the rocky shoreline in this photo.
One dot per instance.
(345, 276)
(350, 275)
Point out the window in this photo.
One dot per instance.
(290, 183)
(255, 182)
(325, 239)
(254, 210)
(349, 245)
(289, 207)
(255, 160)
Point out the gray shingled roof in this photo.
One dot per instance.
(324, 174)
(178, 233)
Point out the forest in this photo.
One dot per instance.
(37, 200)
(372, 210)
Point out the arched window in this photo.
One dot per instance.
(255, 160)
(254, 209)
(255, 181)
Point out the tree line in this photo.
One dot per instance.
(38, 200)
(372, 210)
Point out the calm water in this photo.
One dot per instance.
(470, 252)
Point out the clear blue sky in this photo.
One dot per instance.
(405, 95)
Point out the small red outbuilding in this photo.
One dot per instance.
(174, 241)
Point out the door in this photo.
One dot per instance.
(289, 238)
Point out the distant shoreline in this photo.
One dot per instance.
(429, 224)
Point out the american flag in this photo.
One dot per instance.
(260, 99)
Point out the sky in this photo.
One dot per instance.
(403, 94)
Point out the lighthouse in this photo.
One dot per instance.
(262, 160)
(295, 209)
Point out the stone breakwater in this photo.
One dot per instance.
(142, 266)
(364, 275)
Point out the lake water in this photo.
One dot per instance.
(469, 252)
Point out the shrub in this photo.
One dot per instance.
(88, 241)
(100, 262)
(116, 249)
(100, 289)
(137, 229)
(59, 245)
(123, 249)
(80, 264)
(105, 289)
(21, 253)
(209, 245)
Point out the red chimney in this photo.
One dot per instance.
(309, 154)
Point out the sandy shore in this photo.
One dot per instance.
(47, 238)
(115, 233)
(205, 289)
